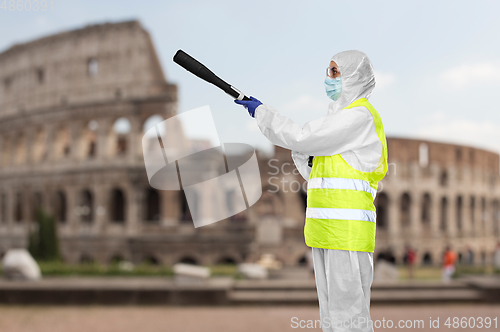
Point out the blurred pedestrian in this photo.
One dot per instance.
(389, 256)
(411, 258)
(470, 255)
(385, 268)
(496, 259)
(449, 259)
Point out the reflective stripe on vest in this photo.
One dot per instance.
(344, 214)
(341, 183)
(340, 212)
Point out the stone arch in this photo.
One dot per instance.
(116, 258)
(62, 142)
(472, 209)
(3, 207)
(150, 139)
(303, 198)
(40, 149)
(117, 205)
(88, 140)
(36, 205)
(427, 258)
(443, 178)
(443, 209)
(152, 121)
(21, 151)
(86, 206)
(483, 212)
(153, 206)
(405, 209)
(458, 154)
(86, 259)
(426, 209)
(151, 259)
(92, 66)
(18, 207)
(495, 211)
(459, 212)
(187, 259)
(381, 256)
(119, 137)
(270, 203)
(231, 197)
(385, 254)
(6, 150)
(382, 206)
(40, 75)
(186, 215)
(227, 260)
(302, 260)
(59, 206)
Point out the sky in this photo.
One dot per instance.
(437, 63)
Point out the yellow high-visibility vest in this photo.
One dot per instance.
(340, 211)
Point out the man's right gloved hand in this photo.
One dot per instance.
(250, 105)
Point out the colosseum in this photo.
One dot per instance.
(73, 109)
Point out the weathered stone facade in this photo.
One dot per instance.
(60, 101)
(438, 194)
(65, 101)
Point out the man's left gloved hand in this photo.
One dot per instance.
(250, 105)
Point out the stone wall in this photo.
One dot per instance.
(438, 194)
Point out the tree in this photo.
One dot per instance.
(43, 242)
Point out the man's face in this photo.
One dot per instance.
(333, 70)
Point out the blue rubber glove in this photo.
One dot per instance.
(250, 105)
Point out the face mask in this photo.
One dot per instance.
(333, 87)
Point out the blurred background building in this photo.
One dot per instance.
(73, 109)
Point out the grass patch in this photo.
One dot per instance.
(230, 270)
(420, 273)
(435, 272)
(112, 270)
(94, 269)
(476, 270)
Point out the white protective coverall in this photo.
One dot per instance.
(343, 278)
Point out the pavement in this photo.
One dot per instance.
(229, 292)
(223, 304)
(231, 319)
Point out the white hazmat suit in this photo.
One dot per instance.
(343, 278)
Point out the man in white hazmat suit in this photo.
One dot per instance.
(350, 158)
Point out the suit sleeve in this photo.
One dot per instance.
(331, 134)
(301, 163)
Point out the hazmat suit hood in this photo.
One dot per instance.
(358, 78)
